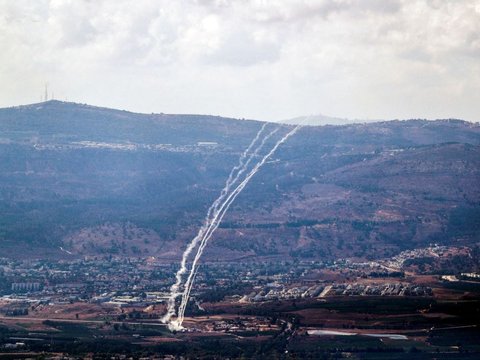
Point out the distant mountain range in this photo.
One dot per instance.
(79, 180)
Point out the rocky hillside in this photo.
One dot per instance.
(77, 180)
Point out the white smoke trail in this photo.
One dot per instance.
(232, 178)
(177, 324)
(209, 222)
(215, 225)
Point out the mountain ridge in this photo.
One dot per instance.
(100, 182)
(292, 121)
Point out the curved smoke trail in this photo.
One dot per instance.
(216, 222)
(206, 229)
(232, 178)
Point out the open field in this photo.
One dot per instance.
(377, 327)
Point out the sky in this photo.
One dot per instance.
(259, 59)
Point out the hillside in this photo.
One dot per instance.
(85, 180)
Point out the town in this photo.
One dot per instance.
(122, 300)
(142, 282)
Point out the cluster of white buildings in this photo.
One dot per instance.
(279, 292)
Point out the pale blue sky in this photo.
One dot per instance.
(270, 60)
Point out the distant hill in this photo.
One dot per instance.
(79, 180)
(318, 120)
(56, 122)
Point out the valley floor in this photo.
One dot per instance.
(334, 311)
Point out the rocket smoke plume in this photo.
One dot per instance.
(233, 176)
(218, 219)
(215, 214)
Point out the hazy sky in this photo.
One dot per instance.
(377, 59)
